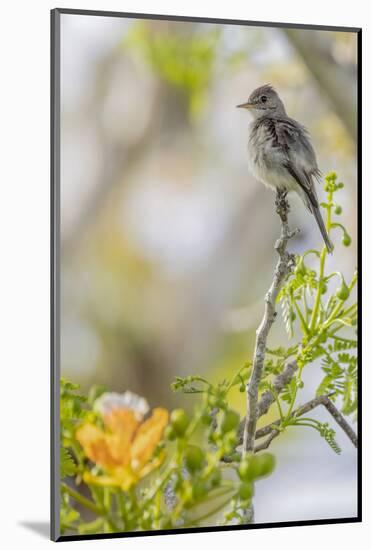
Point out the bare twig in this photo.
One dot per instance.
(309, 406)
(284, 265)
(279, 383)
(339, 418)
(267, 398)
(273, 434)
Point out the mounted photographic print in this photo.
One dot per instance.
(205, 193)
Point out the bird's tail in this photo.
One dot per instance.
(322, 228)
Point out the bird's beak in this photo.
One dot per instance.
(246, 105)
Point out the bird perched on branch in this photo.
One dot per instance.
(280, 152)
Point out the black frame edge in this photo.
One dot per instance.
(192, 530)
(198, 19)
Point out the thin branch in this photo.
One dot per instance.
(309, 406)
(339, 418)
(273, 434)
(267, 398)
(284, 265)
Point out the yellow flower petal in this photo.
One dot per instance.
(123, 422)
(122, 478)
(94, 442)
(147, 438)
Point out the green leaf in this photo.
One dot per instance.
(289, 393)
(329, 436)
(67, 465)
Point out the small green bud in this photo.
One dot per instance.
(331, 176)
(193, 457)
(267, 463)
(260, 466)
(343, 292)
(230, 421)
(242, 388)
(346, 240)
(179, 421)
(213, 401)
(323, 288)
(243, 469)
(246, 490)
(338, 210)
(254, 468)
(340, 185)
(170, 433)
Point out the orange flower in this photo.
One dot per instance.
(124, 449)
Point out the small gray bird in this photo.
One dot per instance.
(280, 152)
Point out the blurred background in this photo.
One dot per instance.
(167, 241)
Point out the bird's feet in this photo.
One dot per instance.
(282, 204)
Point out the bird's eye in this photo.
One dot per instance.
(263, 99)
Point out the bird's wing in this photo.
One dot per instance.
(305, 182)
(300, 159)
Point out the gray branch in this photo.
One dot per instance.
(267, 398)
(284, 265)
(312, 404)
(263, 446)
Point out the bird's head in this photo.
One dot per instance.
(264, 101)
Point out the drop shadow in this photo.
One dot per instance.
(41, 528)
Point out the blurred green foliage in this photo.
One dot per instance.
(184, 60)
